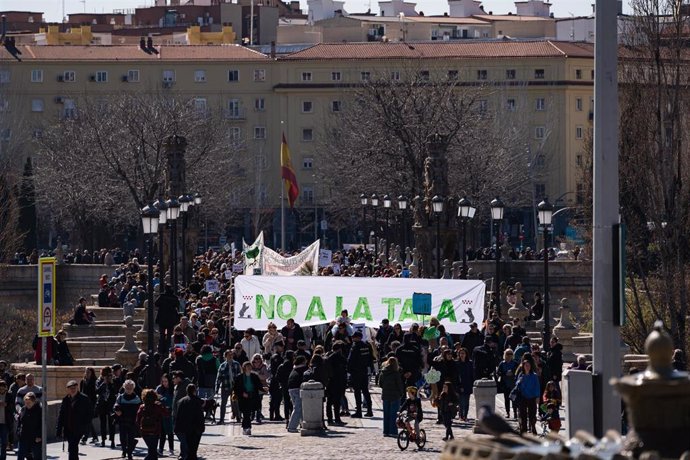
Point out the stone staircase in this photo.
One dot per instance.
(96, 344)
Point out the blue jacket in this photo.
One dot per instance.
(528, 385)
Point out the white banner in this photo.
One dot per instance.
(252, 254)
(318, 300)
(303, 264)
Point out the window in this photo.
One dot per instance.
(539, 74)
(233, 76)
(306, 76)
(133, 76)
(261, 161)
(37, 134)
(578, 74)
(259, 75)
(234, 109)
(335, 76)
(578, 160)
(67, 75)
(578, 104)
(592, 74)
(452, 75)
(539, 132)
(424, 75)
(307, 194)
(199, 105)
(168, 76)
(580, 193)
(307, 134)
(259, 104)
(4, 76)
(307, 106)
(259, 132)
(510, 105)
(365, 76)
(483, 105)
(540, 104)
(539, 161)
(395, 75)
(36, 76)
(199, 76)
(69, 110)
(37, 105)
(102, 76)
(4, 105)
(510, 74)
(5, 134)
(307, 163)
(335, 106)
(482, 74)
(578, 132)
(539, 191)
(235, 135)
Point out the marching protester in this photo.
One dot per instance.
(106, 394)
(149, 420)
(87, 386)
(189, 422)
(246, 389)
(74, 418)
(166, 394)
(126, 407)
(29, 432)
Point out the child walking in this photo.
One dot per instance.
(448, 405)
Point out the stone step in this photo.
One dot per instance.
(93, 349)
(100, 338)
(75, 332)
(95, 362)
(114, 314)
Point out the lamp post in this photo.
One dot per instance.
(186, 201)
(545, 214)
(465, 212)
(363, 200)
(149, 221)
(437, 206)
(497, 208)
(402, 205)
(387, 206)
(173, 213)
(162, 208)
(375, 205)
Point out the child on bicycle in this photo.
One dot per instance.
(552, 418)
(413, 408)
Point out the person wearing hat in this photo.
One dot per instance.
(359, 363)
(484, 359)
(74, 418)
(473, 338)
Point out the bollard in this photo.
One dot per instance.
(311, 393)
(484, 395)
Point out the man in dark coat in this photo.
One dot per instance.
(189, 422)
(554, 360)
(74, 418)
(472, 339)
(181, 363)
(167, 316)
(336, 364)
(359, 363)
(292, 333)
(283, 376)
(484, 359)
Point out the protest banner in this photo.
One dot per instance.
(318, 300)
(303, 264)
(252, 254)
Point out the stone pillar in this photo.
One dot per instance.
(311, 393)
(128, 355)
(142, 334)
(484, 395)
(565, 330)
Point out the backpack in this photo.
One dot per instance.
(150, 422)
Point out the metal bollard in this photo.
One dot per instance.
(311, 393)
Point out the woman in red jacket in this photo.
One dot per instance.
(150, 421)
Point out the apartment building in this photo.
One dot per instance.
(546, 86)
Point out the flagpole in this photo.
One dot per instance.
(282, 196)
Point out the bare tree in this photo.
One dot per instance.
(107, 155)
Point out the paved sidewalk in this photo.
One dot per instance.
(362, 438)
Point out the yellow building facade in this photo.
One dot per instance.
(545, 87)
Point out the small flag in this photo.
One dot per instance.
(288, 173)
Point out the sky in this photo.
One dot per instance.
(53, 8)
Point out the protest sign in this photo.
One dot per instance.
(325, 257)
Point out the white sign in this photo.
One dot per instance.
(228, 273)
(325, 257)
(318, 300)
(362, 327)
(238, 268)
(212, 286)
(46, 296)
(302, 264)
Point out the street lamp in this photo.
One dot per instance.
(375, 204)
(465, 212)
(437, 206)
(162, 208)
(186, 201)
(497, 208)
(149, 221)
(363, 199)
(545, 214)
(387, 205)
(402, 205)
(173, 213)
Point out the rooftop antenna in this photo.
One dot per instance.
(572, 26)
(63, 11)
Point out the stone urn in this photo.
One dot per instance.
(658, 402)
(517, 310)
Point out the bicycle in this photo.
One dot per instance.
(406, 433)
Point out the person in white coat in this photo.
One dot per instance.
(250, 343)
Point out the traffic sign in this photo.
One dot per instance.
(46, 296)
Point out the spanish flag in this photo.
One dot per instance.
(288, 173)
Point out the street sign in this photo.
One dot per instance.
(46, 296)
(324, 225)
(222, 240)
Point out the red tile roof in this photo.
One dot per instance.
(436, 50)
(133, 53)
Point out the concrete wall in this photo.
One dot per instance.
(19, 284)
